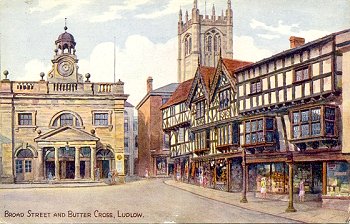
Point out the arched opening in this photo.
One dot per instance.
(24, 164)
(105, 162)
(66, 118)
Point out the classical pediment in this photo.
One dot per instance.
(66, 134)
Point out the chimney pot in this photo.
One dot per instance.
(296, 41)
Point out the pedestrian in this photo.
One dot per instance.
(301, 191)
(110, 177)
(263, 187)
(98, 174)
(50, 178)
(116, 176)
(200, 177)
(146, 173)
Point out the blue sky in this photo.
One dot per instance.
(146, 34)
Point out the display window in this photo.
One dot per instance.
(236, 175)
(276, 175)
(311, 173)
(338, 179)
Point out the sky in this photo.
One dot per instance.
(145, 34)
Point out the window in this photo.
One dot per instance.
(181, 135)
(308, 122)
(224, 98)
(19, 167)
(126, 125)
(259, 131)
(166, 141)
(126, 142)
(200, 140)
(255, 87)
(182, 107)
(301, 74)
(25, 119)
(200, 109)
(101, 119)
(188, 45)
(28, 166)
(217, 43)
(67, 119)
(172, 110)
(224, 133)
(209, 43)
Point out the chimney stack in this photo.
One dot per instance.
(149, 84)
(296, 41)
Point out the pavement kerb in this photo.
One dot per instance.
(291, 216)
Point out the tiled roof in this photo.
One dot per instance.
(233, 64)
(180, 94)
(207, 75)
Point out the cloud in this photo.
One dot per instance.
(33, 68)
(139, 59)
(287, 30)
(269, 36)
(244, 48)
(173, 6)
(66, 8)
(115, 11)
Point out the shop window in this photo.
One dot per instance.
(259, 131)
(338, 179)
(101, 119)
(224, 99)
(311, 174)
(308, 122)
(200, 109)
(301, 74)
(255, 87)
(25, 119)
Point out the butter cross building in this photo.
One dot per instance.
(65, 127)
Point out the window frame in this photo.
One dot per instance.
(255, 84)
(322, 121)
(109, 118)
(30, 118)
(296, 70)
(200, 109)
(257, 130)
(226, 97)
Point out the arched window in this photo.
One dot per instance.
(25, 153)
(188, 45)
(67, 119)
(104, 154)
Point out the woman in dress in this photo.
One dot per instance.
(263, 187)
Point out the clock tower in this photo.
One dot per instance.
(64, 64)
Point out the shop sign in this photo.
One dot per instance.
(340, 173)
(332, 166)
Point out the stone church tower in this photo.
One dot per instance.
(201, 38)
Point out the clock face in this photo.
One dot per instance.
(65, 68)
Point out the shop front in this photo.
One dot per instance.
(236, 176)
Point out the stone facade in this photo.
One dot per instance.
(202, 39)
(153, 156)
(62, 128)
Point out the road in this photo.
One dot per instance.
(136, 202)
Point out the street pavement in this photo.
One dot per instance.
(143, 201)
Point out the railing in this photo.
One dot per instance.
(25, 86)
(65, 87)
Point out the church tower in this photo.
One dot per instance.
(65, 62)
(201, 38)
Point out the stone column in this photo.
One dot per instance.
(93, 163)
(324, 178)
(290, 188)
(77, 163)
(57, 165)
(41, 164)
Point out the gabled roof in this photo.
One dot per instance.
(205, 76)
(227, 66)
(234, 64)
(66, 134)
(180, 94)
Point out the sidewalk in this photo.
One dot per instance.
(309, 212)
(65, 184)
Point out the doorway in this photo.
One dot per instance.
(70, 169)
(82, 169)
(50, 168)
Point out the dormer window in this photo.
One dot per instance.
(200, 109)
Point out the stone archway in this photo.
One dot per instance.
(105, 162)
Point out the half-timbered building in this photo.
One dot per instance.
(282, 118)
